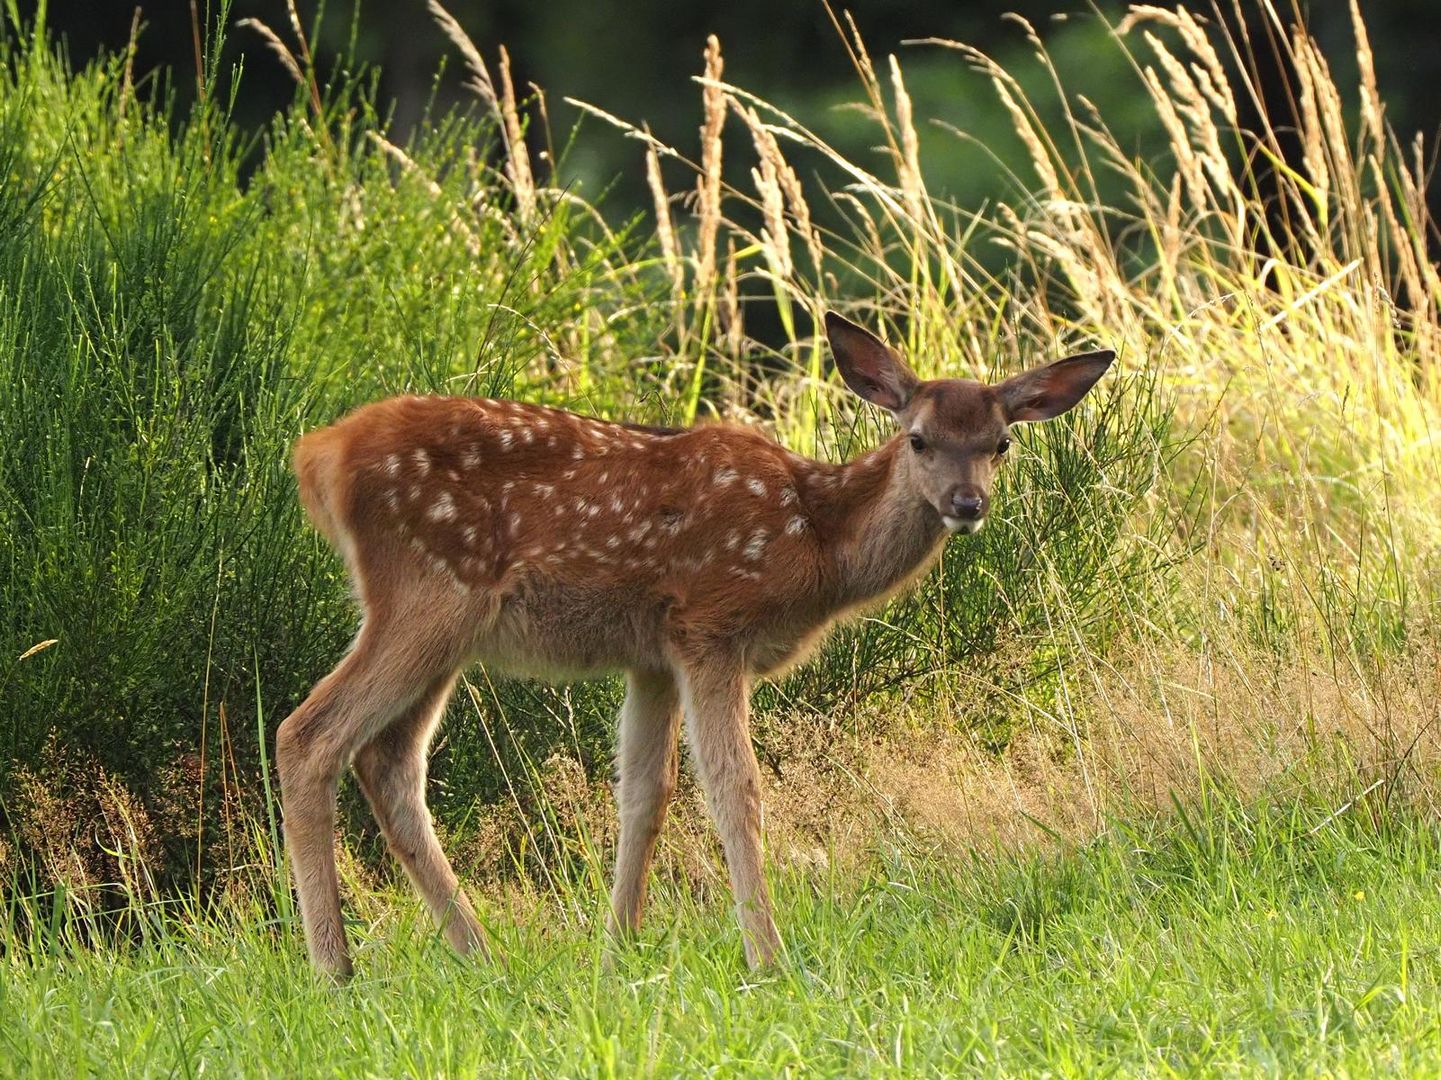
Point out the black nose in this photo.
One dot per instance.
(967, 505)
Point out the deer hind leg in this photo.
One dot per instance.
(647, 759)
(391, 770)
(381, 677)
(717, 708)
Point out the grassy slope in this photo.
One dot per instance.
(1248, 946)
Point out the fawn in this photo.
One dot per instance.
(548, 543)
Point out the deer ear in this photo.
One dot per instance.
(869, 366)
(1044, 392)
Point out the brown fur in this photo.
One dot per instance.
(548, 543)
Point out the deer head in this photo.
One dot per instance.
(957, 430)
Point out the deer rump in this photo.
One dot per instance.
(546, 543)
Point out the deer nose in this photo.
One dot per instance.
(967, 505)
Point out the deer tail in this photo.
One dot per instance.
(316, 464)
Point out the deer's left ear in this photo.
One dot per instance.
(1044, 392)
(869, 366)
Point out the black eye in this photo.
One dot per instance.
(1005, 445)
(917, 443)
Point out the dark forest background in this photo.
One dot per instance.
(636, 60)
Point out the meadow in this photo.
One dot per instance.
(1143, 779)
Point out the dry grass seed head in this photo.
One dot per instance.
(775, 237)
(664, 229)
(517, 155)
(708, 183)
(279, 48)
(480, 83)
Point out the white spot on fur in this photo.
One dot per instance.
(392, 465)
(578, 453)
(757, 488)
(469, 460)
(616, 504)
(789, 496)
(796, 525)
(756, 545)
(724, 476)
(443, 509)
(469, 535)
(733, 538)
(505, 438)
(414, 492)
(422, 462)
(514, 524)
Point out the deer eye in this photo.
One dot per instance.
(1005, 444)
(917, 443)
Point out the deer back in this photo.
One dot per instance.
(560, 518)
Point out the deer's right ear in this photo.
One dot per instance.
(869, 366)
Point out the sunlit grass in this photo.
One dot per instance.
(1250, 943)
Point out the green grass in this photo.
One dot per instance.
(1260, 943)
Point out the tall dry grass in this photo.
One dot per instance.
(1284, 309)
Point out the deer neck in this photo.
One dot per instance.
(879, 532)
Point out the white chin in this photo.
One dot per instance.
(965, 528)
